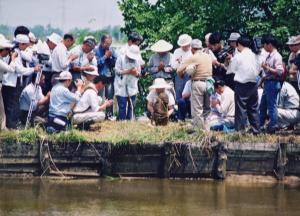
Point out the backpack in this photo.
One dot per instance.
(160, 110)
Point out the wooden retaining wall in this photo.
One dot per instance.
(150, 160)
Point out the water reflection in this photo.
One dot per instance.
(145, 197)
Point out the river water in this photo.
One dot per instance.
(145, 197)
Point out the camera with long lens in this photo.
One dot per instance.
(224, 53)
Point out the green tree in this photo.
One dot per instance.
(167, 19)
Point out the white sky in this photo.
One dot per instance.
(65, 14)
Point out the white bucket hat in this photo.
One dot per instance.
(22, 38)
(184, 40)
(54, 38)
(161, 46)
(294, 40)
(94, 72)
(5, 43)
(133, 52)
(196, 44)
(65, 75)
(234, 36)
(160, 83)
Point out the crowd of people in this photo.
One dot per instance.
(233, 87)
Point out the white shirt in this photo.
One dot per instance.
(27, 95)
(126, 85)
(60, 60)
(179, 56)
(187, 88)
(82, 60)
(288, 97)
(245, 66)
(89, 101)
(10, 79)
(152, 97)
(6, 68)
(227, 102)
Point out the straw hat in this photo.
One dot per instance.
(54, 38)
(184, 40)
(65, 75)
(161, 46)
(93, 72)
(160, 83)
(133, 52)
(294, 40)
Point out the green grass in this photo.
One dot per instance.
(136, 133)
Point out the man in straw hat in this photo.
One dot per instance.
(5, 67)
(159, 65)
(128, 70)
(201, 72)
(61, 100)
(181, 54)
(90, 108)
(160, 102)
(294, 59)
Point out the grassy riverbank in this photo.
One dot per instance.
(138, 132)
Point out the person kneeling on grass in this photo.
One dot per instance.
(160, 102)
(88, 109)
(61, 102)
(40, 104)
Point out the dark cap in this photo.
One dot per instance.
(90, 41)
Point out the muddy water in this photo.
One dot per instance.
(145, 197)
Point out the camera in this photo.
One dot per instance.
(224, 52)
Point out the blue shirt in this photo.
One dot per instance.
(105, 65)
(61, 99)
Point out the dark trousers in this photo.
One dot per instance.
(229, 80)
(246, 106)
(125, 107)
(109, 94)
(11, 97)
(184, 108)
(179, 85)
(58, 127)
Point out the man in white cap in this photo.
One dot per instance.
(5, 67)
(86, 57)
(14, 83)
(232, 41)
(160, 86)
(199, 67)
(90, 109)
(89, 75)
(159, 65)
(182, 53)
(52, 41)
(294, 58)
(61, 100)
(128, 70)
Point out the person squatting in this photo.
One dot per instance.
(242, 86)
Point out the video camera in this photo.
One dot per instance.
(43, 58)
(221, 56)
